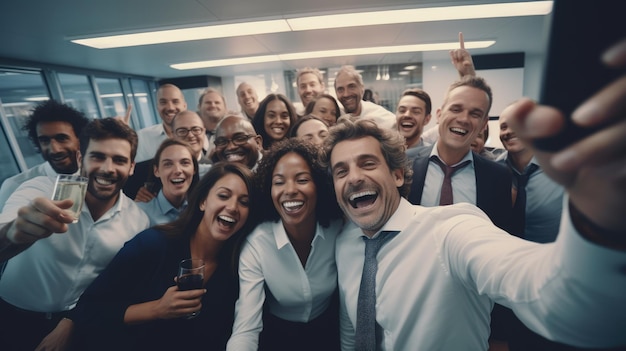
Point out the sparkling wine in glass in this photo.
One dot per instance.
(74, 187)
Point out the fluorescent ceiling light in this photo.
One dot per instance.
(431, 14)
(37, 98)
(185, 34)
(332, 53)
(514, 9)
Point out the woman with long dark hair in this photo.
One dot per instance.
(175, 168)
(135, 303)
(274, 118)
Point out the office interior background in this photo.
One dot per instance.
(408, 43)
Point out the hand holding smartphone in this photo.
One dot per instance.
(580, 32)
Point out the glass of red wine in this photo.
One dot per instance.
(190, 276)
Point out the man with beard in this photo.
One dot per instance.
(52, 260)
(349, 89)
(170, 101)
(237, 141)
(310, 82)
(54, 129)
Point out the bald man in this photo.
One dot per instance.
(170, 101)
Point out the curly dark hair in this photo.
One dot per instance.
(391, 145)
(53, 111)
(326, 209)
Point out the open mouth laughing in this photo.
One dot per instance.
(292, 206)
(459, 131)
(226, 221)
(363, 198)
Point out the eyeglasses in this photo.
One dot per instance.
(238, 140)
(183, 132)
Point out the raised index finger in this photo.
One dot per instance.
(129, 109)
(461, 41)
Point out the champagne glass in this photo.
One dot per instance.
(74, 187)
(190, 276)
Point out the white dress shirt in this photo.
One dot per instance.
(160, 210)
(11, 184)
(269, 264)
(463, 182)
(383, 117)
(51, 275)
(149, 140)
(438, 278)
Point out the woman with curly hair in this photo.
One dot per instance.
(287, 272)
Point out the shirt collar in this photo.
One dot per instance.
(166, 206)
(468, 156)
(397, 222)
(281, 238)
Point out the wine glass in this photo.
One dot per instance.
(190, 276)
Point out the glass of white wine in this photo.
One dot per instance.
(74, 187)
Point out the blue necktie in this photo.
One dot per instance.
(365, 336)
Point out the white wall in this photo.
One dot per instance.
(507, 85)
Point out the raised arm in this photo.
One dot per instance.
(38, 220)
(462, 60)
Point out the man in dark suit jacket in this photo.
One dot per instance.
(493, 185)
(463, 115)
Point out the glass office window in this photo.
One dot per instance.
(143, 103)
(113, 102)
(8, 163)
(20, 91)
(77, 93)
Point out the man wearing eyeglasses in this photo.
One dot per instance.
(237, 141)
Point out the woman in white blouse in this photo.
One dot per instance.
(177, 171)
(287, 272)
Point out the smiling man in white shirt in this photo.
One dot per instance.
(51, 260)
(438, 278)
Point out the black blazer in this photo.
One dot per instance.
(493, 186)
(143, 173)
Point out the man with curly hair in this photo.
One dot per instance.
(53, 128)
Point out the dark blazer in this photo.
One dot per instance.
(493, 186)
(143, 173)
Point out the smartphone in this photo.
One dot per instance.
(580, 32)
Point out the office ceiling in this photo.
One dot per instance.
(40, 31)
